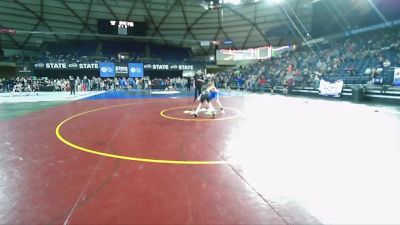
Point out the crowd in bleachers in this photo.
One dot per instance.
(359, 60)
(105, 51)
(29, 84)
(19, 84)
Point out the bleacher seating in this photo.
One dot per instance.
(112, 48)
(345, 59)
(172, 53)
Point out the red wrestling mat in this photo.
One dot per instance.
(51, 182)
(268, 160)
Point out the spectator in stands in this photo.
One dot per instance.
(58, 85)
(272, 84)
(290, 84)
(182, 83)
(103, 86)
(226, 82)
(149, 84)
(262, 82)
(137, 83)
(85, 83)
(239, 82)
(3, 84)
(380, 60)
(188, 84)
(78, 83)
(374, 73)
(285, 86)
(386, 63)
(316, 82)
(368, 71)
(116, 83)
(248, 84)
(1, 54)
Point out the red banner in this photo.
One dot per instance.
(8, 31)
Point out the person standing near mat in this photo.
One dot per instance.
(189, 84)
(198, 84)
(72, 84)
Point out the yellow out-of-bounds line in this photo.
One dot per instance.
(147, 160)
(162, 113)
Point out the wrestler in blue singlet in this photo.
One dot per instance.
(213, 95)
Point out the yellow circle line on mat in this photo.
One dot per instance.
(96, 152)
(162, 113)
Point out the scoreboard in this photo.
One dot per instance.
(120, 27)
(232, 57)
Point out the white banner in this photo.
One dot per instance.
(396, 76)
(314, 41)
(204, 43)
(188, 73)
(330, 89)
(168, 67)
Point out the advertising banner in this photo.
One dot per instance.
(107, 70)
(149, 66)
(228, 42)
(65, 66)
(24, 69)
(135, 70)
(121, 69)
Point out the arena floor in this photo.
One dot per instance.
(140, 158)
